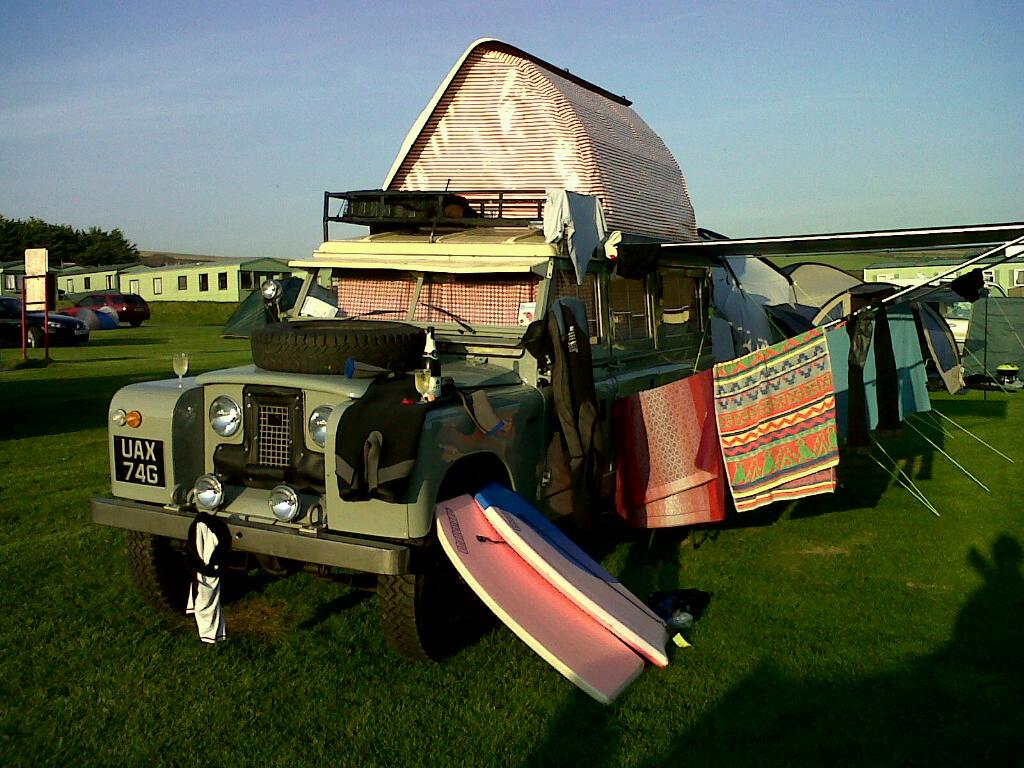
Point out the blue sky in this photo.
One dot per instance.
(210, 128)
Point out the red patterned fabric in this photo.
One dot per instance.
(669, 463)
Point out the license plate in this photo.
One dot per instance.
(81, 331)
(138, 460)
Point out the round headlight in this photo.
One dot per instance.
(225, 416)
(209, 492)
(318, 424)
(271, 290)
(119, 417)
(284, 503)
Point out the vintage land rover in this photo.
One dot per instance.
(321, 454)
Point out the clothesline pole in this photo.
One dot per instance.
(929, 281)
(903, 483)
(921, 419)
(957, 268)
(964, 429)
(959, 466)
(904, 479)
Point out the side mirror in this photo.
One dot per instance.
(271, 291)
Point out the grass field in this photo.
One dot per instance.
(851, 629)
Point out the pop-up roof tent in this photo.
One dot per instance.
(504, 119)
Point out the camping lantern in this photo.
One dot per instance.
(1007, 374)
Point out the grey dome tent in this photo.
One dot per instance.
(941, 354)
(815, 284)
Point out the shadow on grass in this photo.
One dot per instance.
(993, 408)
(121, 341)
(37, 408)
(958, 706)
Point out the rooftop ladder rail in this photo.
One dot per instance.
(385, 210)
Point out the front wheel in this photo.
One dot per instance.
(159, 570)
(34, 337)
(430, 615)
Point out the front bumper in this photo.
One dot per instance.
(364, 555)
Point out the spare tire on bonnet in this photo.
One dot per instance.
(323, 346)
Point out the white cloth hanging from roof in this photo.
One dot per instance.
(580, 220)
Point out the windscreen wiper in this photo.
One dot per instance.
(452, 315)
(374, 312)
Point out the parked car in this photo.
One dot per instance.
(64, 330)
(130, 308)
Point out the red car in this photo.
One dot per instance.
(130, 308)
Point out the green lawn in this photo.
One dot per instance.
(852, 629)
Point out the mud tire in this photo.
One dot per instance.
(428, 616)
(324, 346)
(159, 570)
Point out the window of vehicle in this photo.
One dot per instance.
(134, 300)
(88, 282)
(630, 315)
(566, 285)
(182, 282)
(504, 300)
(158, 286)
(222, 281)
(204, 282)
(477, 299)
(679, 306)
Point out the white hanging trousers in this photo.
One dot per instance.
(204, 592)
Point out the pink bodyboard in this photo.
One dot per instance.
(539, 614)
(573, 573)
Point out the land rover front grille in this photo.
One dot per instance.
(273, 437)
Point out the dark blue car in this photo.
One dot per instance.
(63, 330)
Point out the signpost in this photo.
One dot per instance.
(37, 293)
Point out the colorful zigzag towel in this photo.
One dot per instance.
(776, 412)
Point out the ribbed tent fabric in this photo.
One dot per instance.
(505, 120)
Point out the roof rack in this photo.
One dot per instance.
(384, 211)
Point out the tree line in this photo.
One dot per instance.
(65, 243)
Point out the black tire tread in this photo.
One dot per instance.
(403, 629)
(323, 347)
(159, 571)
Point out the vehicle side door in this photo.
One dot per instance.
(10, 324)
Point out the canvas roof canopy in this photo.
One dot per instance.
(504, 119)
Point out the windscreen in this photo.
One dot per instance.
(484, 300)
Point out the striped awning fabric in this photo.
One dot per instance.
(507, 120)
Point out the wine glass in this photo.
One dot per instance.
(422, 380)
(180, 363)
